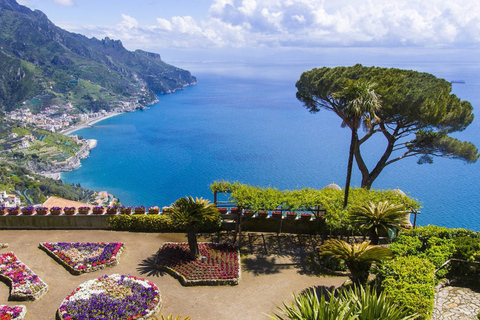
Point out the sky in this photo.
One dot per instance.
(221, 27)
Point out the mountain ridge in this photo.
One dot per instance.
(40, 60)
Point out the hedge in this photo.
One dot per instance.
(410, 281)
(155, 223)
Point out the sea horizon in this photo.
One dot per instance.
(242, 122)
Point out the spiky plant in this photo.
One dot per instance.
(377, 217)
(354, 302)
(189, 213)
(358, 256)
(170, 317)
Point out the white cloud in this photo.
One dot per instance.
(312, 23)
(65, 3)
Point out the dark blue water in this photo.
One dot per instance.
(243, 123)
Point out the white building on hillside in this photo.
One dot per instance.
(9, 200)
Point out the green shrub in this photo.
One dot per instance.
(155, 223)
(404, 245)
(410, 282)
(467, 249)
(424, 233)
(439, 251)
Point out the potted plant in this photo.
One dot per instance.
(112, 210)
(277, 214)
(291, 215)
(166, 209)
(153, 210)
(140, 210)
(305, 216)
(84, 210)
(234, 210)
(262, 214)
(248, 213)
(125, 210)
(55, 211)
(3, 211)
(41, 211)
(222, 210)
(98, 210)
(14, 211)
(69, 210)
(28, 211)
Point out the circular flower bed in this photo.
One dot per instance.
(219, 265)
(12, 312)
(81, 257)
(119, 297)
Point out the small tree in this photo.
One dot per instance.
(358, 256)
(375, 218)
(189, 212)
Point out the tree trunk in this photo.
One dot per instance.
(192, 242)
(353, 143)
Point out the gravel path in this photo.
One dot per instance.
(267, 280)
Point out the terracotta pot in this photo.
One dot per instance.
(55, 212)
(27, 212)
(84, 211)
(126, 210)
(262, 214)
(277, 214)
(291, 215)
(14, 212)
(112, 211)
(69, 212)
(306, 217)
(42, 212)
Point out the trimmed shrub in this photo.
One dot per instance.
(410, 282)
(155, 223)
(468, 249)
(424, 233)
(404, 245)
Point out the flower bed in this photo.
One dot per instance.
(119, 297)
(221, 265)
(81, 257)
(25, 285)
(12, 312)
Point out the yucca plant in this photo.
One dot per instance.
(307, 306)
(358, 256)
(352, 303)
(375, 218)
(170, 317)
(188, 212)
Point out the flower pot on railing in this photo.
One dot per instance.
(166, 209)
(15, 211)
(28, 211)
(153, 210)
(69, 211)
(3, 211)
(112, 210)
(248, 213)
(83, 210)
(140, 210)
(291, 215)
(98, 210)
(125, 210)
(262, 214)
(56, 211)
(41, 211)
(277, 214)
(222, 210)
(306, 216)
(234, 210)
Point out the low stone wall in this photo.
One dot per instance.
(54, 222)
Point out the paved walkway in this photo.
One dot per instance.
(456, 303)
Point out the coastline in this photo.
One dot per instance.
(89, 123)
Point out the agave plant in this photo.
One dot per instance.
(358, 256)
(375, 218)
(354, 302)
(170, 317)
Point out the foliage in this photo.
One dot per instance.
(155, 223)
(357, 302)
(15, 179)
(414, 105)
(410, 282)
(424, 233)
(380, 217)
(256, 198)
(358, 256)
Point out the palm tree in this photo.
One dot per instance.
(358, 102)
(358, 256)
(375, 218)
(189, 212)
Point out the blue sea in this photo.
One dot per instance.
(242, 122)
